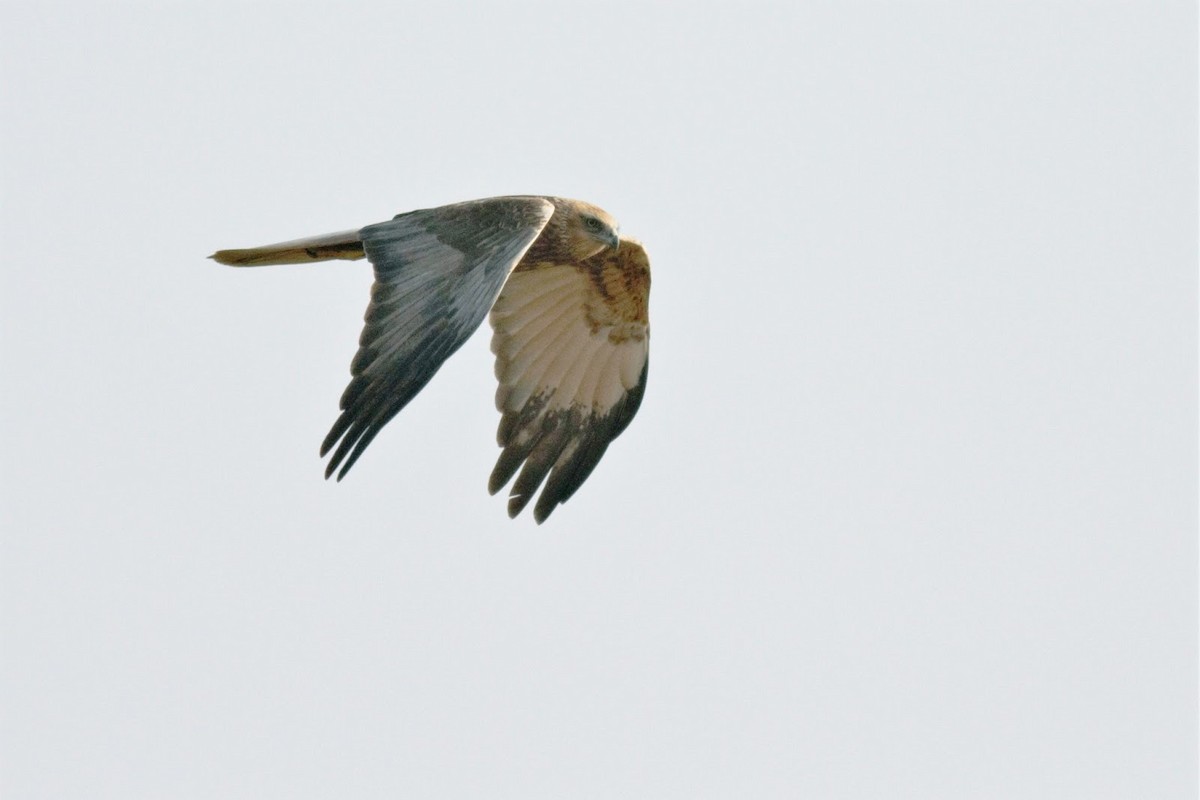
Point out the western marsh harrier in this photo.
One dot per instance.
(567, 298)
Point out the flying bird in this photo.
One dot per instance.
(567, 297)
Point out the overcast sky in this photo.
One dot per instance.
(910, 506)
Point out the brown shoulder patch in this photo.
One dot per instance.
(621, 300)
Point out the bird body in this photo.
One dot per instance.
(567, 299)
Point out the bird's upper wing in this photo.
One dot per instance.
(437, 273)
(572, 347)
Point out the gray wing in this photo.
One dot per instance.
(437, 272)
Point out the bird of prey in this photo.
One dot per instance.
(568, 301)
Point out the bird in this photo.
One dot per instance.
(567, 297)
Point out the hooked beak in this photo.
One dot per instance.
(615, 240)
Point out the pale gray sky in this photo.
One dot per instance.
(909, 509)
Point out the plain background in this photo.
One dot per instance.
(910, 507)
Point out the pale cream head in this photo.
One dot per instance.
(588, 229)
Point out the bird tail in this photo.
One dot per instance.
(346, 245)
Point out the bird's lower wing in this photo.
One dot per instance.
(437, 272)
(572, 352)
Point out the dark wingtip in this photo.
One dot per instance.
(496, 480)
(516, 504)
(335, 433)
(548, 500)
(332, 466)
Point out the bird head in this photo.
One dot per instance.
(590, 230)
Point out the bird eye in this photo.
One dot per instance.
(594, 224)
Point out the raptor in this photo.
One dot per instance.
(567, 297)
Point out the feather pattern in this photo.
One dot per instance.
(436, 274)
(572, 351)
